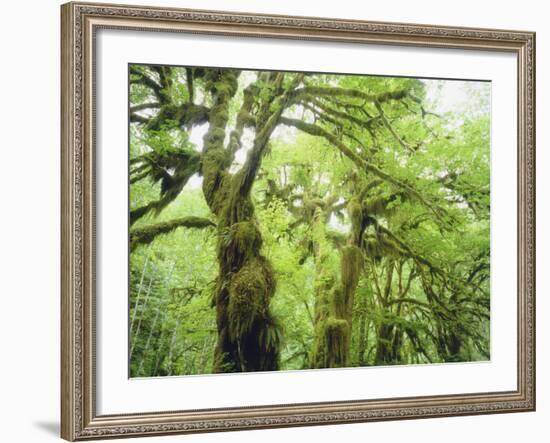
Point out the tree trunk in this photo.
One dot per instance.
(362, 330)
(384, 344)
(248, 336)
(329, 347)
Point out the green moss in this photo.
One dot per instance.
(249, 293)
(226, 88)
(373, 250)
(243, 305)
(214, 163)
(351, 265)
(218, 116)
(355, 212)
(239, 242)
(245, 236)
(248, 337)
(331, 344)
(236, 207)
(147, 234)
(223, 363)
(270, 337)
(269, 275)
(336, 335)
(215, 137)
(376, 206)
(356, 215)
(389, 248)
(339, 303)
(214, 160)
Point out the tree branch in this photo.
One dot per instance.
(143, 106)
(136, 118)
(145, 235)
(408, 249)
(270, 114)
(390, 128)
(329, 91)
(145, 80)
(362, 164)
(186, 114)
(340, 114)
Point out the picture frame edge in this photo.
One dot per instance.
(78, 420)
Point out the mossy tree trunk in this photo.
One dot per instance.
(335, 296)
(363, 327)
(390, 334)
(248, 335)
(449, 341)
(327, 348)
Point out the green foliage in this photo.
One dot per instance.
(320, 262)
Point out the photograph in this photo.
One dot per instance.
(282, 218)
(283, 221)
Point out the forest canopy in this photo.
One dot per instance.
(290, 220)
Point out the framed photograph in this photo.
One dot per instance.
(283, 221)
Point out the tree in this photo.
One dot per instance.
(374, 198)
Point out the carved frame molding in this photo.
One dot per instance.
(79, 24)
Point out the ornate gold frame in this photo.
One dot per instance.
(79, 21)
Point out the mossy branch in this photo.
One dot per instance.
(340, 114)
(387, 124)
(190, 86)
(408, 250)
(156, 167)
(145, 80)
(408, 300)
(165, 75)
(186, 114)
(136, 118)
(145, 235)
(318, 131)
(244, 118)
(329, 91)
(143, 106)
(270, 114)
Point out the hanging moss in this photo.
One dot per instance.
(331, 342)
(155, 166)
(322, 302)
(269, 275)
(270, 340)
(334, 300)
(244, 302)
(322, 311)
(248, 337)
(223, 363)
(389, 248)
(380, 247)
(376, 206)
(318, 356)
(250, 290)
(373, 250)
(339, 304)
(243, 239)
(145, 235)
(355, 213)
